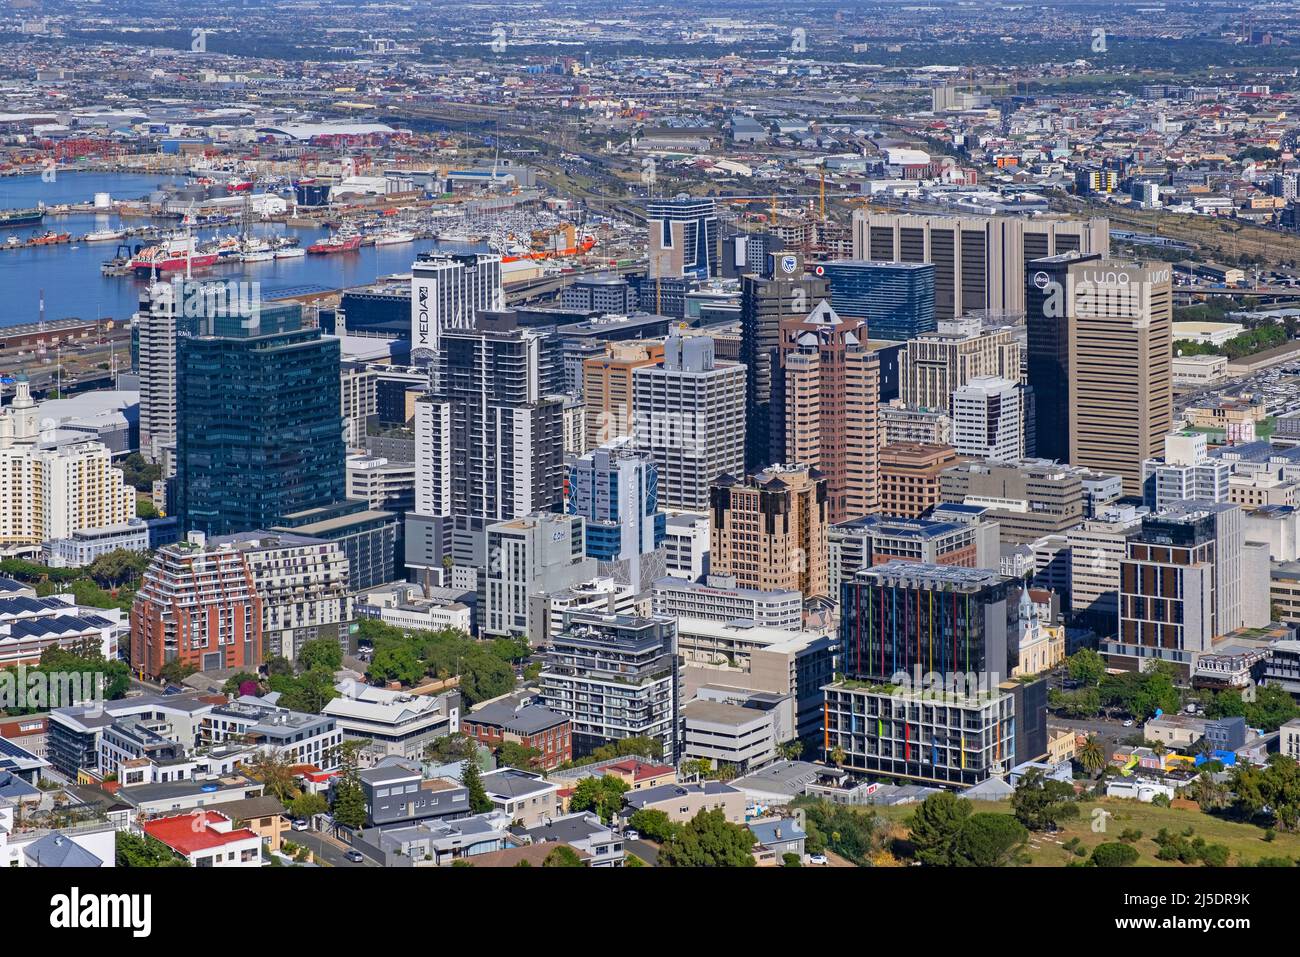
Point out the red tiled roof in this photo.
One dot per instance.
(188, 833)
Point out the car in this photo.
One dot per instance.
(817, 859)
(356, 857)
(300, 824)
(631, 835)
(1128, 722)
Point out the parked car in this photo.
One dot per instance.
(356, 857)
(1128, 722)
(630, 835)
(817, 859)
(300, 824)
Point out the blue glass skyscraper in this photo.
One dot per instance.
(896, 299)
(259, 433)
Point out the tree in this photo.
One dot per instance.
(837, 756)
(322, 653)
(604, 795)
(935, 826)
(655, 825)
(451, 747)
(133, 850)
(349, 808)
(1113, 855)
(988, 840)
(176, 671)
(396, 661)
(709, 840)
(562, 856)
(275, 771)
(1092, 755)
(479, 802)
(515, 755)
(1086, 667)
(146, 509)
(307, 805)
(791, 859)
(1040, 803)
(791, 750)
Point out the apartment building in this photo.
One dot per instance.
(720, 598)
(936, 364)
(607, 389)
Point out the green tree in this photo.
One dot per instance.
(479, 802)
(176, 671)
(1113, 855)
(1086, 667)
(134, 850)
(709, 840)
(791, 859)
(935, 826)
(275, 770)
(1040, 803)
(396, 661)
(307, 805)
(451, 747)
(515, 755)
(1092, 755)
(146, 509)
(651, 824)
(321, 653)
(562, 856)
(603, 795)
(349, 808)
(988, 840)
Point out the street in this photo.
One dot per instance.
(327, 850)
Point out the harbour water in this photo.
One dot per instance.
(70, 274)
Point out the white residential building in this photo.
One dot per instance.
(988, 419)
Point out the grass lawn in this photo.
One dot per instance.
(1245, 841)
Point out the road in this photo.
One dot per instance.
(1111, 733)
(326, 849)
(643, 849)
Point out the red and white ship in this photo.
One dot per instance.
(172, 255)
(335, 244)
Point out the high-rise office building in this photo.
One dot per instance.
(683, 238)
(528, 558)
(924, 650)
(690, 420)
(607, 389)
(617, 491)
(1186, 471)
(768, 531)
(908, 473)
(936, 364)
(1028, 499)
(259, 430)
(155, 331)
(979, 261)
(1100, 365)
(447, 291)
(616, 677)
(895, 298)
(489, 442)
(779, 290)
(1182, 584)
(832, 389)
(988, 419)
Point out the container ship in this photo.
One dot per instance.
(12, 218)
(172, 255)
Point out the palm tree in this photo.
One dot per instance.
(837, 756)
(1091, 755)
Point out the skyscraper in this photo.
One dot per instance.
(607, 389)
(1121, 375)
(936, 364)
(617, 491)
(683, 237)
(489, 442)
(767, 297)
(769, 531)
(690, 420)
(259, 430)
(447, 291)
(980, 261)
(988, 419)
(895, 298)
(832, 388)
